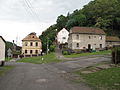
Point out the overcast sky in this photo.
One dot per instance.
(18, 18)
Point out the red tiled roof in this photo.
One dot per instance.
(87, 30)
(112, 38)
(31, 37)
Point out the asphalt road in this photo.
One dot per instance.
(27, 76)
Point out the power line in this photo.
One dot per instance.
(28, 11)
(30, 7)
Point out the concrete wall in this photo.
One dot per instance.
(2, 50)
(28, 47)
(85, 39)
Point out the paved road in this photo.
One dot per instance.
(36, 77)
(27, 76)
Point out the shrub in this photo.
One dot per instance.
(66, 53)
(52, 48)
(116, 55)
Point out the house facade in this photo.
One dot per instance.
(86, 38)
(62, 36)
(2, 49)
(112, 41)
(31, 45)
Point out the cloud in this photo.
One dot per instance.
(18, 18)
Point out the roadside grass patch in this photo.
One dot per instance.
(4, 69)
(49, 58)
(106, 79)
(106, 52)
(8, 59)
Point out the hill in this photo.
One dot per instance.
(104, 14)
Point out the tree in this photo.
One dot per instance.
(61, 22)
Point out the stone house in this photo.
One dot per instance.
(86, 38)
(2, 49)
(112, 41)
(62, 38)
(31, 45)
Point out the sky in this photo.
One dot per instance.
(18, 18)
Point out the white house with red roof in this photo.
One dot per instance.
(86, 38)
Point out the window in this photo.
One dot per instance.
(71, 45)
(26, 43)
(64, 37)
(89, 37)
(31, 44)
(77, 45)
(25, 51)
(31, 51)
(36, 51)
(33, 37)
(100, 45)
(36, 43)
(77, 37)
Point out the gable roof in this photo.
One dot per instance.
(112, 38)
(31, 37)
(2, 39)
(87, 30)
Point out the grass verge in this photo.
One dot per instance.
(8, 59)
(4, 69)
(49, 58)
(108, 79)
(89, 54)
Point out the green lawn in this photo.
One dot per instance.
(89, 54)
(5, 69)
(108, 79)
(8, 59)
(49, 58)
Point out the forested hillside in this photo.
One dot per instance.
(104, 14)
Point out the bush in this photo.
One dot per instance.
(52, 48)
(66, 53)
(116, 55)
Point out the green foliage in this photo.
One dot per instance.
(103, 80)
(49, 58)
(88, 54)
(61, 22)
(64, 52)
(48, 37)
(52, 48)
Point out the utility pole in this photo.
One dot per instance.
(47, 45)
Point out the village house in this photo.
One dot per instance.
(112, 41)
(2, 50)
(62, 37)
(86, 38)
(31, 45)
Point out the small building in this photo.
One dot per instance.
(2, 49)
(86, 38)
(31, 45)
(112, 41)
(62, 37)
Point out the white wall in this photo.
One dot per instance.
(84, 40)
(2, 50)
(62, 36)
